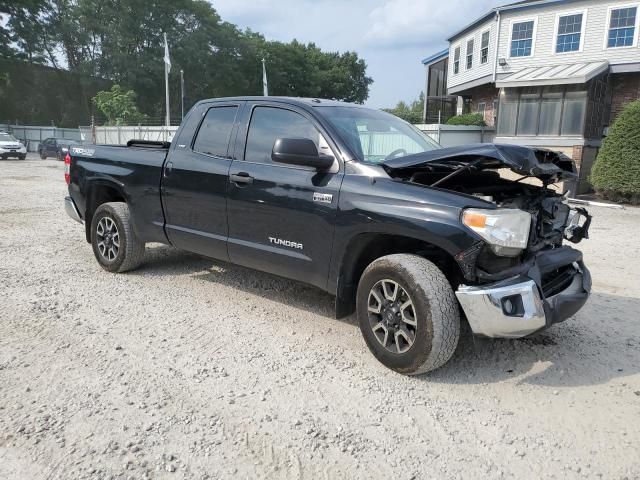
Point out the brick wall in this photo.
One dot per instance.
(484, 94)
(625, 88)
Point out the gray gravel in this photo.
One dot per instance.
(192, 368)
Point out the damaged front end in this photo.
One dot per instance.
(519, 277)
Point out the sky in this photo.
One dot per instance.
(392, 36)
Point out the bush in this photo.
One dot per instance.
(616, 172)
(475, 119)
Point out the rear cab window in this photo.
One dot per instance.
(215, 131)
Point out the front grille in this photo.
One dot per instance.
(558, 280)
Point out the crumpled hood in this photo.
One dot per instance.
(536, 162)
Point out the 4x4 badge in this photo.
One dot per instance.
(322, 197)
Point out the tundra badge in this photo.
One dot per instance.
(322, 197)
(286, 243)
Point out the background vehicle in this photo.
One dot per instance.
(353, 201)
(10, 146)
(55, 147)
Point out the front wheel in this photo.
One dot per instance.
(115, 244)
(22, 157)
(408, 313)
(42, 155)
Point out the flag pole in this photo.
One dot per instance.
(265, 88)
(182, 92)
(166, 78)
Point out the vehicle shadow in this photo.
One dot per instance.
(162, 260)
(600, 343)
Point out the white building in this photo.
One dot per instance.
(552, 73)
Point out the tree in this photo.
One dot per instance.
(118, 106)
(411, 113)
(122, 41)
(616, 172)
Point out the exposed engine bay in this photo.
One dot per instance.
(476, 171)
(553, 219)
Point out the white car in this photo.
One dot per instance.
(11, 147)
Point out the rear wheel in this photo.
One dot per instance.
(59, 156)
(42, 155)
(115, 244)
(408, 313)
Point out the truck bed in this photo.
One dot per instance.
(136, 169)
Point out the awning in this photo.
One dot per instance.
(553, 75)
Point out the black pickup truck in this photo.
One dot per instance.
(356, 202)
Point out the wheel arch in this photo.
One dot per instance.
(365, 248)
(99, 192)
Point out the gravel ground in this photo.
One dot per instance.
(192, 368)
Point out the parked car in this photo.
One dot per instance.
(55, 147)
(353, 201)
(10, 146)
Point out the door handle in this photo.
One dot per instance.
(241, 178)
(168, 168)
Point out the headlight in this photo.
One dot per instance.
(506, 230)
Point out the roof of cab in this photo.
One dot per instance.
(301, 101)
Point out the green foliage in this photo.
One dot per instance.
(411, 113)
(122, 41)
(474, 119)
(36, 94)
(119, 107)
(616, 172)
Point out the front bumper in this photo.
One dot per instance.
(12, 152)
(72, 210)
(517, 307)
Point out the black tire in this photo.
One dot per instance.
(42, 156)
(434, 311)
(130, 251)
(22, 157)
(59, 156)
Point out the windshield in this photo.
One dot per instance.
(5, 137)
(375, 136)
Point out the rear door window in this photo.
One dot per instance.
(215, 131)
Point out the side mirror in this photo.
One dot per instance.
(300, 151)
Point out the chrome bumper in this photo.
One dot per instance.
(72, 210)
(515, 308)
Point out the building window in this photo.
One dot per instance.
(484, 48)
(438, 78)
(482, 106)
(470, 54)
(543, 111)
(622, 25)
(522, 38)
(456, 60)
(569, 33)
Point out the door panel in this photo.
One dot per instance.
(195, 184)
(275, 224)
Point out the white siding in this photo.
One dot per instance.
(594, 46)
(478, 70)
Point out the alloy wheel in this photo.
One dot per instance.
(108, 238)
(392, 316)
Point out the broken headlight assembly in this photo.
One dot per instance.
(577, 226)
(505, 230)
